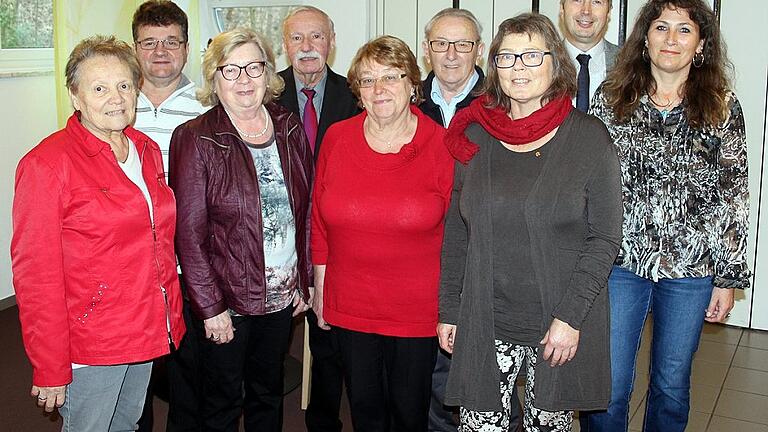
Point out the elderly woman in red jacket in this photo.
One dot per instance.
(242, 175)
(92, 250)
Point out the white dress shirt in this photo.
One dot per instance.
(596, 64)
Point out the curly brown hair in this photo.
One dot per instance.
(706, 88)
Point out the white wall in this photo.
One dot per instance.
(27, 115)
(740, 22)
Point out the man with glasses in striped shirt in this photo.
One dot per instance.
(167, 99)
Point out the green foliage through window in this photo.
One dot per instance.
(26, 24)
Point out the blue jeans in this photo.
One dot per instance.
(105, 398)
(679, 307)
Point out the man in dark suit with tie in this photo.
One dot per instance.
(308, 38)
(320, 98)
(583, 24)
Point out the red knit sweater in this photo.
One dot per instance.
(377, 225)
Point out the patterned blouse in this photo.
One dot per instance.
(686, 198)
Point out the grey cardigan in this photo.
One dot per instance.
(574, 217)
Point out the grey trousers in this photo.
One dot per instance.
(105, 398)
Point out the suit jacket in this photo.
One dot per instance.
(611, 51)
(432, 110)
(338, 102)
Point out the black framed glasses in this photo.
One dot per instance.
(387, 79)
(462, 46)
(169, 44)
(529, 59)
(231, 72)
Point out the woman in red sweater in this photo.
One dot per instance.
(381, 193)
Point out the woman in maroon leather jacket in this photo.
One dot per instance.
(242, 174)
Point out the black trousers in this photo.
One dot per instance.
(252, 361)
(185, 379)
(322, 414)
(178, 376)
(388, 380)
(442, 418)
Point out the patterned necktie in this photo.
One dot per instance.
(310, 118)
(582, 94)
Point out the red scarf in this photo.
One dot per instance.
(498, 124)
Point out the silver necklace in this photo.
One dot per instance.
(256, 135)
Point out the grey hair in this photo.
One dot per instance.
(308, 9)
(104, 46)
(456, 13)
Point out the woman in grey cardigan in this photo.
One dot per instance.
(532, 231)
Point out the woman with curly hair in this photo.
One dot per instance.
(679, 131)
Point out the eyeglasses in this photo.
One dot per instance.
(169, 44)
(231, 72)
(462, 46)
(388, 79)
(529, 58)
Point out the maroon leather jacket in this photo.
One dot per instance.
(219, 238)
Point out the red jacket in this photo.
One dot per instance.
(95, 282)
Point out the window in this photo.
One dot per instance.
(267, 19)
(26, 35)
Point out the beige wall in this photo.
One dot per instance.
(35, 106)
(75, 20)
(27, 115)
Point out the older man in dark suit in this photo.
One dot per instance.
(583, 24)
(308, 38)
(320, 97)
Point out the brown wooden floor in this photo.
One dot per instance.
(18, 412)
(729, 391)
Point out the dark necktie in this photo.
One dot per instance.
(310, 118)
(582, 94)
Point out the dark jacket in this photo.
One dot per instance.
(219, 237)
(573, 215)
(338, 102)
(432, 110)
(611, 52)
